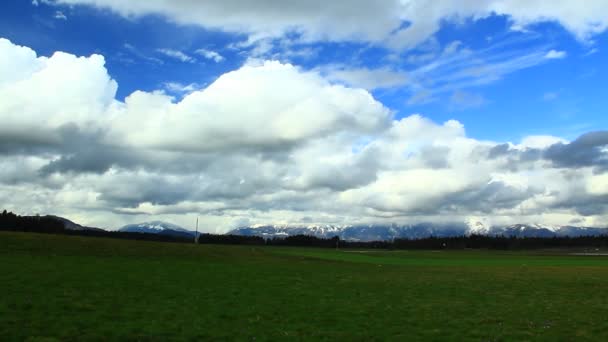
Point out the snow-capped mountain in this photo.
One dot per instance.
(537, 230)
(416, 231)
(157, 227)
(356, 233)
(478, 226)
(529, 230)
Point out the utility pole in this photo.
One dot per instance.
(196, 233)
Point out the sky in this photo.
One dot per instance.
(305, 112)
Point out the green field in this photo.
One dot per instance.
(77, 288)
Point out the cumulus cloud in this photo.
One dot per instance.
(41, 92)
(541, 141)
(400, 24)
(589, 150)
(308, 107)
(295, 147)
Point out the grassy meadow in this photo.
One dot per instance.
(77, 288)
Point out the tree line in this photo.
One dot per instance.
(52, 225)
(38, 224)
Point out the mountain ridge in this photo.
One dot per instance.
(363, 233)
(416, 231)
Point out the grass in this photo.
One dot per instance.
(76, 288)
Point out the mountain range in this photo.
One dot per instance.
(416, 231)
(363, 232)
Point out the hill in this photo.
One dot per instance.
(70, 225)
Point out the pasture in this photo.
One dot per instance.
(78, 288)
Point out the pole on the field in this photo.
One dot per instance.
(196, 234)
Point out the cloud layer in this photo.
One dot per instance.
(268, 143)
(395, 23)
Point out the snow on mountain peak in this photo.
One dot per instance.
(153, 226)
(535, 226)
(478, 225)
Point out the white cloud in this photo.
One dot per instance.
(366, 78)
(60, 16)
(176, 87)
(336, 21)
(598, 184)
(265, 143)
(361, 20)
(541, 141)
(308, 106)
(38, 2)
(82, 90)
(176, 54)
(212, 55)
(555, 54)
(137, 53)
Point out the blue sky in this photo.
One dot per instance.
(416, 91)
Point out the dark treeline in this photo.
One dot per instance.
(500, 242)
(230, 239)
(53, 225)
(39, 224)
(306, 240)
(434, 243)
(129, 236)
